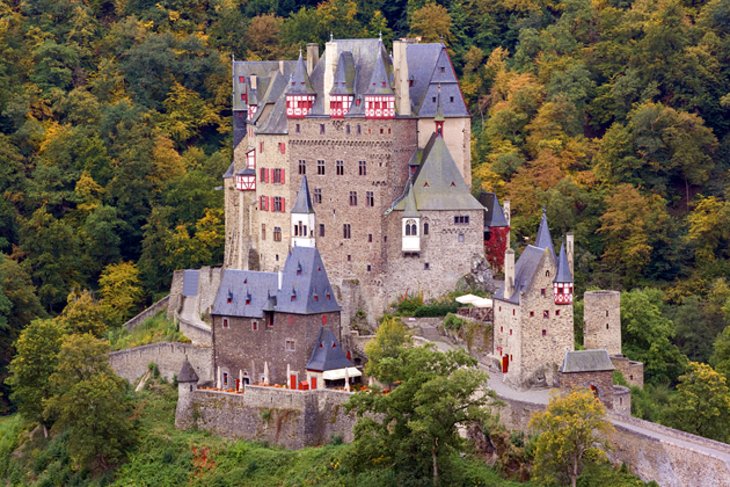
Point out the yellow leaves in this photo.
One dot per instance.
(209, 229)
(54, 131)
(709, 224)
(89, 192)
(432, 23)
(168, 164)
(121, 291)
(186, 113)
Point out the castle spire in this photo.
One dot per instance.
(563, 282)
(439, 117)
(302, 218)
(299, 82)
(543, 239)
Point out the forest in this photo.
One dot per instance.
(613, 115)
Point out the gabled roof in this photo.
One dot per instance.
(299, 83)
(238, 287)
(586, 361)
(380, 81)
(305, 287)
(494, 212)
(327, 353)
(563, 274)
(543, 239)
(344, 82)
(276, 122)
(527, 265)
(425, 63)
(187, 373)
(439, 185)
(303, 203)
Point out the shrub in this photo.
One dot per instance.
(453, 322)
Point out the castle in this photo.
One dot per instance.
(383, 143)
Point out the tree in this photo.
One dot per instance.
(432, 22)
(702, 403)
(571, 431)
(413, 428)
(709, 229)
(84, 314)
(121, 291)
(83, 382)
(32, 366)
(720, 358)
(647, 336)
(390, 338)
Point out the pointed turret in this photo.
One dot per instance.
(343, 87)
(439, 117)
(379, 96)
(563, 282)
(300, 93)
(302, 218)
(543, 239)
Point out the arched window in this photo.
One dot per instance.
(425, 228)
(411, 228)
(547, 273)
(414, 229)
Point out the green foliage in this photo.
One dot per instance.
(720, 358)
(702, 403)
(453, 322)
(391, 336)
(153, 330)
(571, 433)
(412, 429)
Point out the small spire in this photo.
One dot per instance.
(543, 238)
(332, 37)
(380, 36)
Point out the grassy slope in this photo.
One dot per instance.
(156, 329)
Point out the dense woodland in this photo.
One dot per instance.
(613, 115)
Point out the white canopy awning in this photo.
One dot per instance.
(339, 374)
(482, 303)
(467, 299)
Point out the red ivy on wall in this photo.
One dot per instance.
(495, 246)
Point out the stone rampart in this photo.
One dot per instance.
(147, 313)
(284, 417)
(198, 332)
(132, 364)
(670, 457)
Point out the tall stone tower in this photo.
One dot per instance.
(602, 321)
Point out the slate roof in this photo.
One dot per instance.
(525, 270)
(344, 82)
(305, 279)
(190, 282)
(360, 63)
(299, 83)
(494, 213)
(563, 274)
(543, 239)
(229, 172)
(238, 286)
(303, 203)
(438, 184)
(327, 353)
(187, 373)
(586, 361)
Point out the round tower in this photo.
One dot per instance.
(602, 321)
(187, 383)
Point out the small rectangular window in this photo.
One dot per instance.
(362, 168)
(263, 231)
(254, 326)
(461, 220)
(340, 166)
(347, 129)
(557, 312)
(321, 229)
(546, 314)
(359, 129)
(277, 204)
(544, 332)
(346, 230)
(298, 129)
(318, 195)
(320, 167)
(369, 267)
(278, 176)
(321, 128)
(353, 198)
(426, 266)
(302, 167)
(542, 292)
(225, 322)
(277, 234)
(370, 199)
(282, 147)
(261, 147)
(289, 345)
(370, 237)
(241, 79)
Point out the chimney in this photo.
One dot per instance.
(509, 273)
(312, 57)
(253, 81)
(281, 66)
(402, 86)
(508, 217)
(330, 65)
(281, 279)
(569, 250)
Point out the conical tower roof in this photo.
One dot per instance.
(380, 80)
(303, 203)
(344, 82)
(299, 83)
(410, 210)
(187, 373)
(563, 274)
(543, 239)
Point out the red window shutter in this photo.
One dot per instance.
(283, 205)
(283, 176)
(269, 203)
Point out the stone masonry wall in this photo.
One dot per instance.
(602, 381)
(632, 370)
(132, 364)
(291, 419)
(272, 252)
(602, 321)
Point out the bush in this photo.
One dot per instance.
(453, 322)
(436, 309)
(409, 303)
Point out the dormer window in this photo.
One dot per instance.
(328, 295)
(442, 69)
(248, 298)
(229, 299)
(293, 294)
(299, 268)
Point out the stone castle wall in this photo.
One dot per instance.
(602, 321)
(283, 417)
(602, 381)
(147, 313)
(632, 370)
(133, 363)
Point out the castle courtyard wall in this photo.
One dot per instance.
(133, 363)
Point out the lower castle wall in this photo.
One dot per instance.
(283, 417)
(132, 364)
(632, 371)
